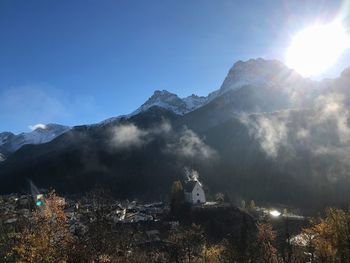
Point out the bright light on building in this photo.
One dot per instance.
(275, 213)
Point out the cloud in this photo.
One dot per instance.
(303, 133)
(32, 103)
(270, 130)
(21, 106)
(129, 135)
(163, 128)
(186, 144)
(291, 128)
(189, 145)
(37, 126)
(332, 108)
(191, 174)
(320, 133)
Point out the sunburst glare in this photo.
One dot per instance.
(315, 49)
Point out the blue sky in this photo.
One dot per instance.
(77, 62)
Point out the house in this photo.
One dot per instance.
(194, 192)
(136, 217)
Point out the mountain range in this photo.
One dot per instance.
(250, 73)
(266, 134)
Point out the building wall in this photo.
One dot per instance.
(198, 195)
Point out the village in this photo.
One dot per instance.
(150, 218)
(84, 209)
(175, 229)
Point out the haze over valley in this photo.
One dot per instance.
(193, 131)
(267, 134)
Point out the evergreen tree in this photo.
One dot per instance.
(177, 197)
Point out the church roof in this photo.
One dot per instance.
(190, 185)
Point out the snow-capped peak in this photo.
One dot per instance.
(254, 72)
(10, 142)
(43, 133)
(258, 72)
(193, 102)
(167, 100)
(170, 101)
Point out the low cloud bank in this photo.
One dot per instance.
(270, 131)
(184, 144)
(129, 135)
(329, 117)
(322, 132)
(190, 145)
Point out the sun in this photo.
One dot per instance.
(317, 48)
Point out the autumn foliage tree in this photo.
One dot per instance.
(251, 244)
(265, 251)
(329, 239)
(213, 253)
(187, 244)
(46, 238)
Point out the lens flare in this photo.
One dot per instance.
(317, 48)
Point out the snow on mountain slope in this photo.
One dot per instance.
(163, 99)
(254, 72)
(194, 102)
(5, 137)
(10, 142)
(258, 72)
(171, 101)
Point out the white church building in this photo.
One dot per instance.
(194, 192)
